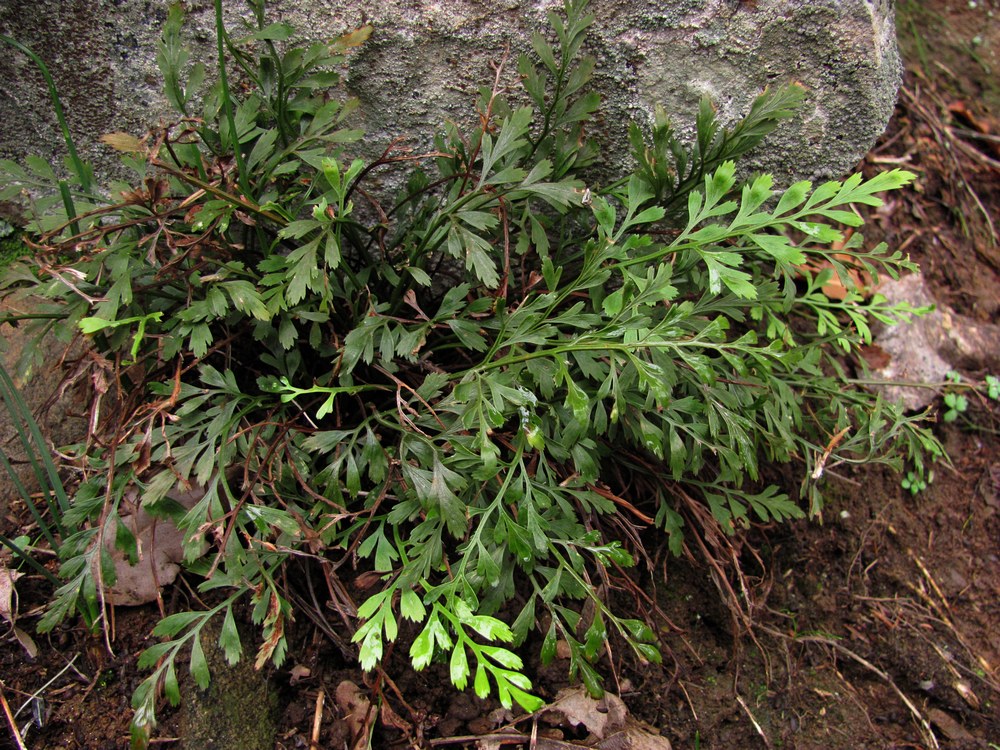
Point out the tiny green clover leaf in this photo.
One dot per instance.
(915, 482)
(993, 387)
(957, 404)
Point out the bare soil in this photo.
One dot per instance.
(877, 628)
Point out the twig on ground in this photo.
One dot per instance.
(505, 738)
(753, 720)
(879, 520)
(946, 621)
(690, 702)
(930, 579)
(10, 720)
(40, 690)
(317, 720)
(924, 723)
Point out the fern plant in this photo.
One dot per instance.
(471, 390)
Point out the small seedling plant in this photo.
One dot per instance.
(916, 482)
(459, 400)
(955, 402)
(957, 406)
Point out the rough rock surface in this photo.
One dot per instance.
(61, 414)
(926, 349)
(427, 58)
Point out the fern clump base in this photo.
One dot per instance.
(467, 396)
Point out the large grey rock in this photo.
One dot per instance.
(426, 60)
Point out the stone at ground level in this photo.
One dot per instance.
(926, 349)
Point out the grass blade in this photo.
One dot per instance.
(44, 469)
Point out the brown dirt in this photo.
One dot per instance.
(876, 629)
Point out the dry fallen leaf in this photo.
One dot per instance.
(298, 673)
(122, 142)
(635, 736)
(952, 729)
(600, 716)
(835, 288)
(7, 579)
(354, 38)
(965, 690)
(8, 609)
(161, 550)
(392, 719)
(26, 641)
(358, 714)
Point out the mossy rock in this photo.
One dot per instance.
(238, 710)
(12, 247)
